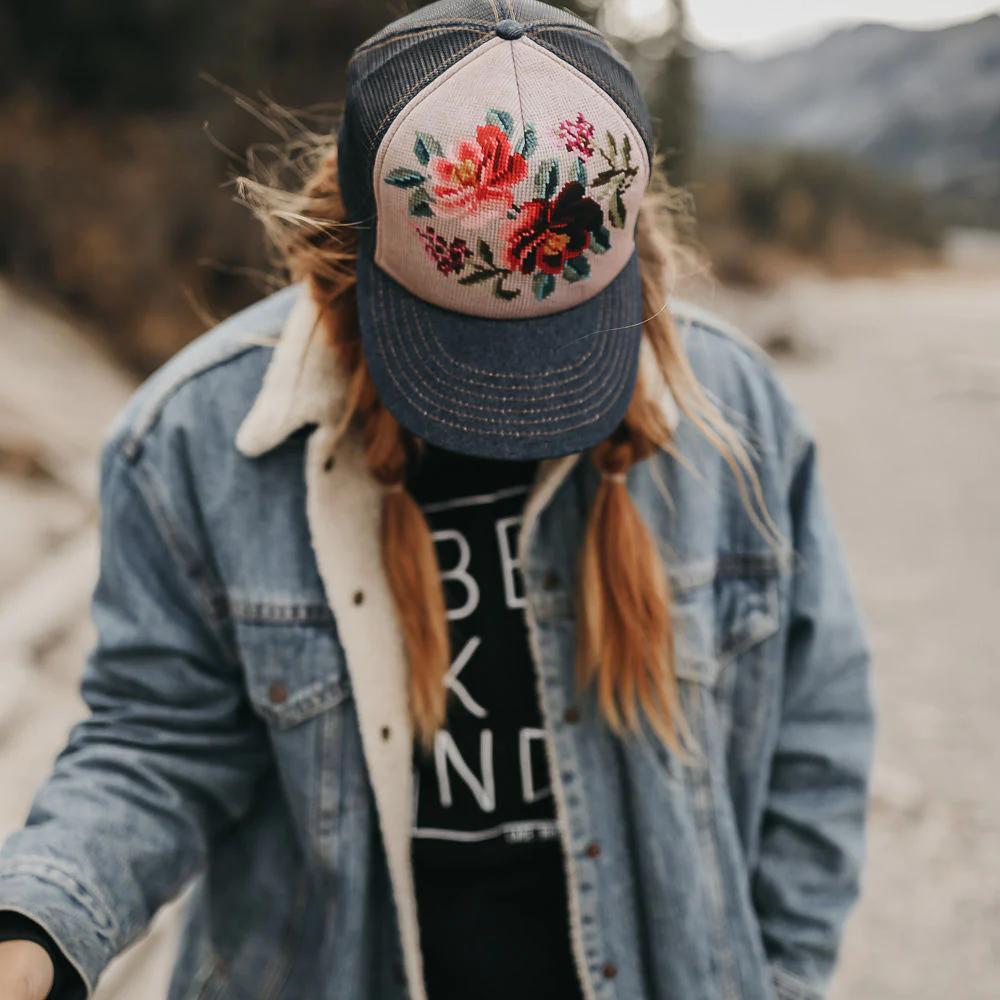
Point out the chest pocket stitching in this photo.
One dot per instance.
(701, 654)
(303, 704)
(315, 679)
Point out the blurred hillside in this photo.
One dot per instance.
(112, 203)
(923, 104)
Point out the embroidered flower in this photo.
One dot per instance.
(450, 257)
(479, 177)
(546, 234)
(578, 136)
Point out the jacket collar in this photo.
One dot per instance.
(304, 385)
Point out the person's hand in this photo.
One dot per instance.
(26, 971)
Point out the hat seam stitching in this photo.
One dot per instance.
(458, 364)
(609, 89)
(548, 385)
(609, 376)
(479, 395)
(442, 25)
(438, 72)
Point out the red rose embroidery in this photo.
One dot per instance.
(480, 177)
(546, 234)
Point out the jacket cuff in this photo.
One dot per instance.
(789, 987)
(68, 910)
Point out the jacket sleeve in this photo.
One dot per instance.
(812, 838)
(169, 755)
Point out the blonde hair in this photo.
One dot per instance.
(625, 646)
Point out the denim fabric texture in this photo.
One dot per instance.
(224, 742)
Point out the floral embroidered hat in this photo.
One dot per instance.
(494, 154)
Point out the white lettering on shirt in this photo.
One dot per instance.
(459, 573)
(446, 751)
(506, 529)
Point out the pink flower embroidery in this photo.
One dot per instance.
(449, 257)
(479, 179)
(578, 136)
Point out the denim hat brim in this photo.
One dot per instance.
(509, 389)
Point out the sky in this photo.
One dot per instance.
(766, 26)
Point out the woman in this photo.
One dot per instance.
(447, 629)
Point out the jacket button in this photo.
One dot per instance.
(593, 850)
(386, 733)
(359, 597)
(572, 715)
(551, 580)
(278, 693)
(610, 970)
(328, 464)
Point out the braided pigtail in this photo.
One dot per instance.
(625, 638)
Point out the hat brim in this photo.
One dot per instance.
(508, 389)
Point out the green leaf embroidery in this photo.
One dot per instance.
(604, 177)
(425, 147)
(419, 203)
(478, 276)
(543, 285)
(576, 269)
(547, 179)
(505, 293)
(616, 210)
(627, 149)
(529, 141)
(485, 252)
(404, 177)
(581, 172)
(600, 240)
(502, 118)
(613, 146)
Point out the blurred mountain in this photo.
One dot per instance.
(922, 103)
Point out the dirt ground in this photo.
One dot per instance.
(901, 382)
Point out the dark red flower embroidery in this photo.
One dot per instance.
(480, 175)
(546, 234)
(449, 257)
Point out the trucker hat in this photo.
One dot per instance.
(493, 155)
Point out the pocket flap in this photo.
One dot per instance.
(294, 672)
(719, 621)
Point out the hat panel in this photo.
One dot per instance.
(592, 54)
(510, 187)
(389, 70)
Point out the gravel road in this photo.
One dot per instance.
(901, 382)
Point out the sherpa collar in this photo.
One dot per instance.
(304, 384)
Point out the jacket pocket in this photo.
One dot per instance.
(719, 625)
(298, 683)
(293, 671)
(717, 622)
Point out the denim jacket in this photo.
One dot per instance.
(249, 726)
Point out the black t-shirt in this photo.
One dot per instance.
(488, 862)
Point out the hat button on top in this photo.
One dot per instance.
(510, 29)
